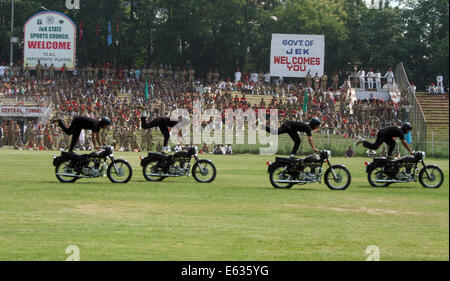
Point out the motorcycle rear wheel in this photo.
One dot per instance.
(280, 172)
(64, 167)
(377, 173)
(147, 169)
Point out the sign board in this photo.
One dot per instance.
(293, 55)
(50, 37)
(22, 111)
(378, 95)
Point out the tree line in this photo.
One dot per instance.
(231, 34)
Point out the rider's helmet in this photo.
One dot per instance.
(406, 127)
(314, 123)
(105, 121)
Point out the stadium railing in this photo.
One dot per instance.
(418, 120)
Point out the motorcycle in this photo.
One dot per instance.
(383, 171)
(285, 172)
(158, 166)
(70, 167)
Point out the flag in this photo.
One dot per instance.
(117, 31)
(408, 137)
(146, 90)
(81, 31)
(109, 38)
(305, 102)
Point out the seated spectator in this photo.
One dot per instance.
(349, 152)
(205, 148)
(159, 146)
(432, 89)
(218, 149)
(229, 150)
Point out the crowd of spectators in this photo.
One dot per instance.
(116, 92)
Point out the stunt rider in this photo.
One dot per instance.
(164, 124)
(82, 122)
(292, 127)
(387, 135)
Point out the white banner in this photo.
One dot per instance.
(378, 95)
(293, 55)
(22, 111)
(50, 38)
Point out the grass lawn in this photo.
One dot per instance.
(237, 217)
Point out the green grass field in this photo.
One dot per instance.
(237, 217)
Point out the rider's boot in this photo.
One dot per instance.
(359, 141)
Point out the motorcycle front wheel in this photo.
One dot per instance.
(64, 167)
(204, 171)
(342, 179)
(432, 179)
(122, 174)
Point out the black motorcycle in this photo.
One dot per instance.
(158, 166)
(383, 171)
(70, 167)
(285, 172)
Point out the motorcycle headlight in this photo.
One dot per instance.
(328, 152)
(423, 154)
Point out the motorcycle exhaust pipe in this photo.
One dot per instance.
(392, 181)
(163, 175)
(69, 175)
(292, 181)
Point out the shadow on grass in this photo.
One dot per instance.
(79, 182)
(388, 187)
(286, 189)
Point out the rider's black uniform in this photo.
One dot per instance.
(163, 123)
(386, 135)
(291, 128)
(79, 123)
